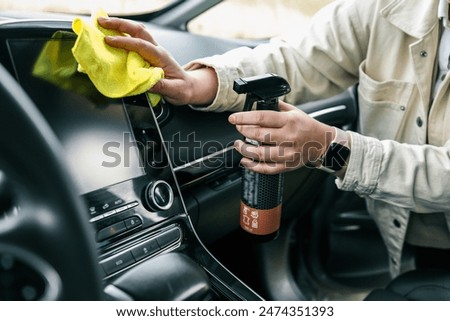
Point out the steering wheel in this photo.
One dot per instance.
(47, 248)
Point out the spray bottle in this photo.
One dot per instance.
(261, 194)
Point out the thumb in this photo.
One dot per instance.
(158, 88)
(171, 90)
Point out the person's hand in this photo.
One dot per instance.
(178, 87)
(290, 139)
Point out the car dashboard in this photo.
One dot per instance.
(124, 170)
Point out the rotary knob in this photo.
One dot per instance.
(159, 196)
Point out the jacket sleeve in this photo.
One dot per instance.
(322, 61)
(414, 177)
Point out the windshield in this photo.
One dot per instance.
(113, 7)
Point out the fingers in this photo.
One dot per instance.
(268, 168)
(259, 125)
(267, 153)
(263, 118)
(268, 159)
(267, 136)
(263, 168)
(135, 30)
(139, 39)
(282, 135)
(145, 49)
(268, 127)
(136, 38)
(171, 89)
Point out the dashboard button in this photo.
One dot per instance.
(117, 201)
(169, 237)
(133, 222)
(134, 204)
(159, 196)
(109, 213)
(110, 231)
(93, 210)
(105, 206)
(121, 209)
(145, 249)
(95, 219)
(117, 262)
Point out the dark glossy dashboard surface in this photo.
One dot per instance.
(115, 151)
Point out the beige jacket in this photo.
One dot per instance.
(400, 159)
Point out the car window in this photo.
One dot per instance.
(112, 7)
(255, 19)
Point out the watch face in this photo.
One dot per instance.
(336, 156)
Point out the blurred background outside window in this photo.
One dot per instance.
(256, 19)
(242, 19)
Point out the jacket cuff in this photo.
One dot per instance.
(225, 98)
(364, 165)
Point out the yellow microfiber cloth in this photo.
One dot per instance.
(56, 65)
(115, 72)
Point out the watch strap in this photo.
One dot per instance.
(336, 156)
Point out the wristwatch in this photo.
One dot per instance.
(336, 156)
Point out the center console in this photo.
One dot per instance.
(118, 158)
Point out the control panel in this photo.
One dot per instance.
(144, 248)
(132, 218)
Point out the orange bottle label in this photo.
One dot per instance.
(260, 222)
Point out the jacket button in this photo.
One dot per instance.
(397, 223)
(423, 54)
(419, 121)
(402, 108)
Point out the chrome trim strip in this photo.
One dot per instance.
(202, 159)
(327, 111)
(200, 178)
